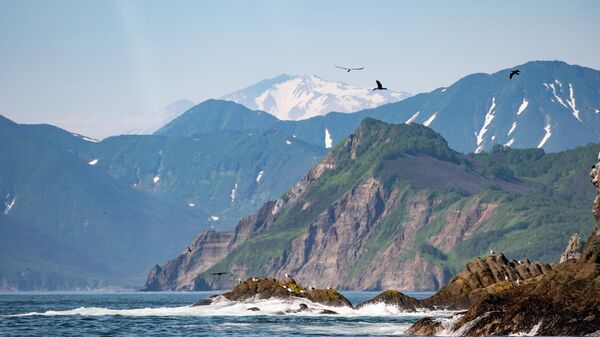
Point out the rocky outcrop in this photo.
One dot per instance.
(179, 273)
(398, 300)
(268, 288)
(563, 301)
(483, 276)
(573, 250)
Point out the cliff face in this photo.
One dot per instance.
(386, 209)
(564, 301)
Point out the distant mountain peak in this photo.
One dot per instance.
(297, 97)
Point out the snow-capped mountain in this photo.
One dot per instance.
(290, 97)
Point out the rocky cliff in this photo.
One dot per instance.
(391, 207)
(564, 301)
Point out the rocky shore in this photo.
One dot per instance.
(559, 300)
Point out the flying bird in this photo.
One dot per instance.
(220, 273)
(189, 249)
(349, 69)
(513, 73)
(379, 86)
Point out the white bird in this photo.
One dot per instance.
(254, 279)
(506, 278)
(288, 276)
(329, 288)
(347, 69)
(311, 288)
(289, 289)
(239, 280)
(492, 252)
(518, 281)
(520, 262)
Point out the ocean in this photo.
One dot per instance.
(171, 314)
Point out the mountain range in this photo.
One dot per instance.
(392, 206)
(293, 97)
(551, 105)
(220, 160)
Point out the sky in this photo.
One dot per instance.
(101, 68)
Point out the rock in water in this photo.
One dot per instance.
(564, 301)
(267, 288)
(484, 276)
(397, 299)
(573, 249)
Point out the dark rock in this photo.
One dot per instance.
(204, 301)
(328, 312)
(564, 300)
(266, 288)
(398, 299)
(253, 309)
(484, 276)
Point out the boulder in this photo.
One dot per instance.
(266, 288)
(397, 299)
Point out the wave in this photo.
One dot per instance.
(224, 307)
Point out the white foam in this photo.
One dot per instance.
(523, 106)
(534, 330)
(259, 176)
(224, 307)
(489, 117)
(412, 118)
(430, 119)
(93, 162)
(328, 140)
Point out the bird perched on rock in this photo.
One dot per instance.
(513, 73)
(347, 69)
(254, 279)
(288, 276)
(379, 86)
(492, 252)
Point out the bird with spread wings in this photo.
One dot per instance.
(347, 69)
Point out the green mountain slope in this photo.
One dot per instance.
(392, 206)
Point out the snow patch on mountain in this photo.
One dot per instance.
(328, 140)
(523, 106)
(413, 117)
(300, 97)
(430, 119)
(486, 123)
(156, 179)
(259, 176)
(233, 192)
(571, 102)
(9, 205)
(512, 128)
(548, 133)
(93, 162)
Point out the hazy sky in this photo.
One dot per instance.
(104, 67)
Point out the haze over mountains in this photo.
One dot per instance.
(220, 160)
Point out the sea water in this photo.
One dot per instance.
(171, 314)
